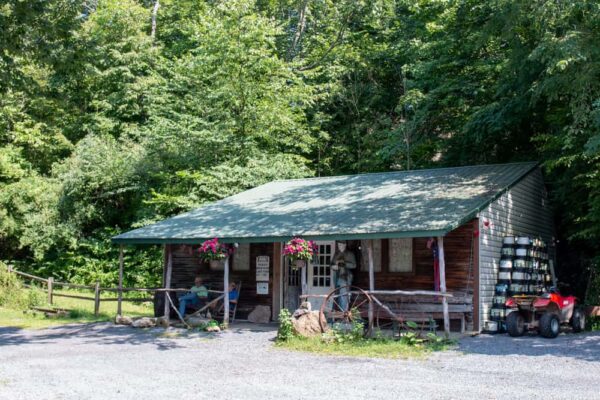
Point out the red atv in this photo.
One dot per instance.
(545, 313)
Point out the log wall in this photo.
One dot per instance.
(187, 265)
(459, 265)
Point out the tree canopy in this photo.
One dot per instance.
(117, 113)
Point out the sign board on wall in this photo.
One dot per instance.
(262, 287)
(262, 269)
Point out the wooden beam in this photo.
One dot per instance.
(371, 280)
(120, 292)
(226, 292)
(442, 263)
(304, 278)
(277, 281)
(476, 239)
(168, 273)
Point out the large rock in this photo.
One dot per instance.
(197, 321)
(162, 322)
(144, 322)
(260, 315)
(123, 320)
(307, 324)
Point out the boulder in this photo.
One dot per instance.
(162, 322)
(197, 321)
(260, 315)
(123, 320)
(144, 322)
(307, 324)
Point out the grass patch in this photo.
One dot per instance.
(378, 348)
(346, 340)
(82, 311)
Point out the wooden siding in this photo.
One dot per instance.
(187, 265)
(459, 247)
(523, 210)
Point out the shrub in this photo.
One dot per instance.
(11, 290)
(35, 297)
(285, 331)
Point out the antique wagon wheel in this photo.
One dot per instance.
(334, 315)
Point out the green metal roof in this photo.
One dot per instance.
(414, 203)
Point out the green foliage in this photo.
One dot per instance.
(285, 331)
(593, 285)
(104, 127)
(593, 323)
(14, 296)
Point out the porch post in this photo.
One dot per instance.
(303, 272)
(120, 292)
(168, 279)
(371, 279)
(226, 292)
(442, 263)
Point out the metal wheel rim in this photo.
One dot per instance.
(344, 314)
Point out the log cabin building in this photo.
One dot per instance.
(467, 209)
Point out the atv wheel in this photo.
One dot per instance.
(549, 325)
(515, 324)
(578, 320)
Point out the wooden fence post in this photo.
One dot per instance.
(50, 288)
(97, 299)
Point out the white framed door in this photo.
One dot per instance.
(319, 279)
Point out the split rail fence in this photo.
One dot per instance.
(49, 285)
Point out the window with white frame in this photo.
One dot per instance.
(401, 255)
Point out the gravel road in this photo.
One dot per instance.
(103, 361)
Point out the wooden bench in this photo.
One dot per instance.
(423, 308)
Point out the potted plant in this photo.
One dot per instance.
(215, 253)
(299, 251)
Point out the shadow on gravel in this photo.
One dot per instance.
(100, 333)
(581, 346)
(104, 333)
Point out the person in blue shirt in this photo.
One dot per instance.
(233, 293)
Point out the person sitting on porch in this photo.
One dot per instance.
(197, 296)
(233, 293)
(233, 299)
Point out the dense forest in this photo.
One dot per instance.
(118, 113)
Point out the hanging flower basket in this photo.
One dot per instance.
(215, 253)
(217, 265)
(300, 251)
(299, 264)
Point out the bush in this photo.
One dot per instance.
(13, 295)
(285, 331)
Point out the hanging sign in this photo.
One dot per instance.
(262, 268)
(262, 287)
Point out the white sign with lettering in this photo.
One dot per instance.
(262, 268)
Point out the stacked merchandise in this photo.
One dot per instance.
(530, 267)
(523, 271)
(498, 311)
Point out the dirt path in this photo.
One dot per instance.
(103, 361)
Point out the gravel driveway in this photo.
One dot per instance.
(103, 361)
